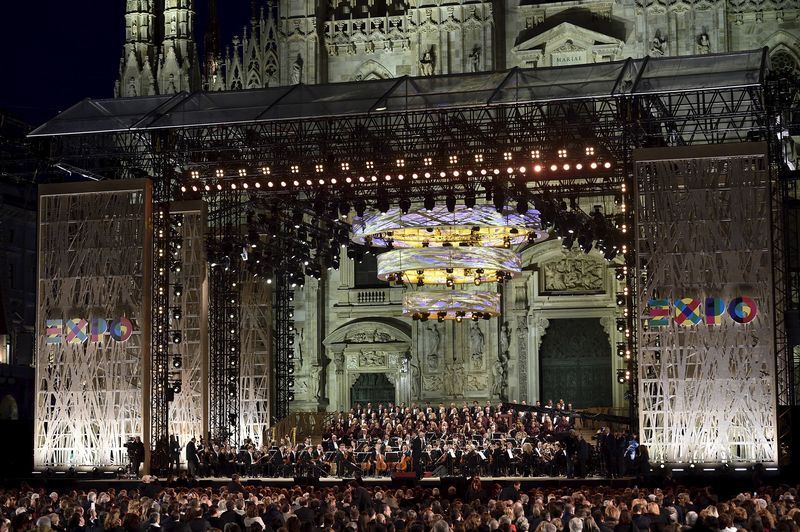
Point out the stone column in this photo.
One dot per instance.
(538, 329)
(337, 382)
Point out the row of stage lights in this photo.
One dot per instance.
(265, 177)
(268, 183)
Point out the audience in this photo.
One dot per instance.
(355, 508)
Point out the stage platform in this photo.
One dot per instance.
(87, 481)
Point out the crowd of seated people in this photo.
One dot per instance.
(489, 440)
(480, 506)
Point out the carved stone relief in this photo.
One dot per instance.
(364, 336)
(542, 324)
(573, 274)
(432, 383)
(522, 356)
(371, 359)
(476, 383)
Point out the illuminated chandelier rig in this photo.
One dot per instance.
(448, 246)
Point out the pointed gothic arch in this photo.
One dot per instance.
(782, 43)
(371, 69)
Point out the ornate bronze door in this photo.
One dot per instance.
(575, 363)
(372, 388)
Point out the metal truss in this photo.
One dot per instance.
(469, 149)
(224, 319)
(283, 305)
(160, 386)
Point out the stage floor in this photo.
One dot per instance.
(285, 482)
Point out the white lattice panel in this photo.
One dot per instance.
(256, 371)
(706, 391)
(92, 265)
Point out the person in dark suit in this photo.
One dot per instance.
(192, 460)
(230, 515)
(510, 492)
(360, 497)
(174, 452)
(417, 445)
(304, 513)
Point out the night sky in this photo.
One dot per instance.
(57, 52)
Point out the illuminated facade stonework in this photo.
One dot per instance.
(313, 41)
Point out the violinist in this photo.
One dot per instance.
(510, 459)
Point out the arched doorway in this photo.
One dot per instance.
(372, 388)
(575, 360)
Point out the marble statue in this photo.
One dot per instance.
(477, 344)
(658, 48)
(415, 377)
(475, 59)
(297, 70)
(434, 338)
(427, 65)
(703, 44)
(505, 338)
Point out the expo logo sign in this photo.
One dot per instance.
(79, 330)
(687, 312)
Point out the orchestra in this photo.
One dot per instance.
(385, 440)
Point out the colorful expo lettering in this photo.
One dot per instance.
(79, 330)
(687, 312)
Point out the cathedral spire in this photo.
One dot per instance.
(139, 50)
(212, 66)
(178, 68)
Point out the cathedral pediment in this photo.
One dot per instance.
(567, 44)
(559, 35)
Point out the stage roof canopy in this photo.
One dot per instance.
(631, 77)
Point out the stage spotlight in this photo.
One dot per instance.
(177, 362)
(620, 300)
(429, 203)
(621, 348)
(383, 204)
(460, 315)
(469, 200)
(620, 325)
(405, 205)
(177, 337)
(621, 376)
(178, 290)
(440, 316)
(423, 316)
(620, 274)
(290, 396)
(176, 387)
(360, 206)
(450, 202)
